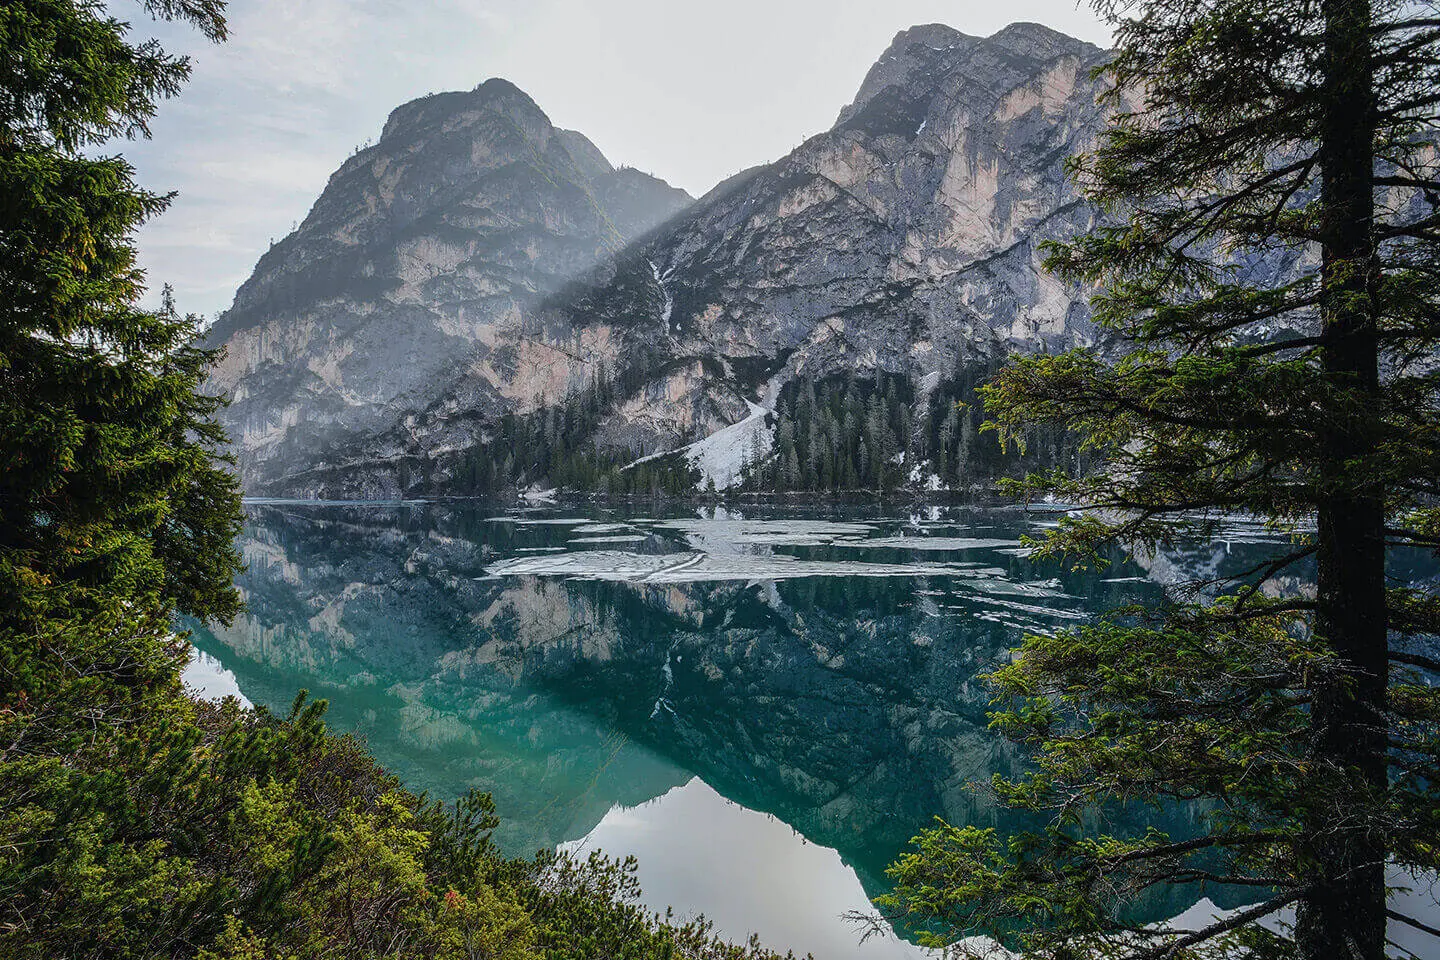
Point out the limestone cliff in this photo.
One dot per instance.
(902, 240)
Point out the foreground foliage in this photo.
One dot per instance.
(171, 828)
(1273, 184)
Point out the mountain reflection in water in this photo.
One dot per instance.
(816, 667)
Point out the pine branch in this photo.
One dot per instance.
(1224, 926)
(1407, 182)
(1415, 660)
(1277, 346)
(1419, 229)
(1412, 922)
(1266, 569)
(1190, 846)
(1396, 26)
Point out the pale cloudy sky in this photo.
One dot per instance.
(690, 91)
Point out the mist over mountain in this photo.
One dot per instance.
(468, 209)
(478, 263)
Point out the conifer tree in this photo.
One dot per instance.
(109, 486)
(1272, 187)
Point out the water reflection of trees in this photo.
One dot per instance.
(846, 706)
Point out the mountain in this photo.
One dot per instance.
(904, 240)
(901, 249)
(428, 245)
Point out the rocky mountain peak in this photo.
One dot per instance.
(495, 96)
(1039, 42)
(936, 35)
(587, 157)
(916, 55)
(905, 80)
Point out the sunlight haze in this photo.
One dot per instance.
(691, 92)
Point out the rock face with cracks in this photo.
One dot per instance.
(904, 240)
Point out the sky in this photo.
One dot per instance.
(689, 91)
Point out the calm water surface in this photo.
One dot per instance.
(764, 705)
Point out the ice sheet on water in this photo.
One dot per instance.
(929, 543)
(982, 582)
(621, 538)
(1033, 609)
(602, 528)
(540, 521)
(774, 533)
(699, 567)
(1026, 626)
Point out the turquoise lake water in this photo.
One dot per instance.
(763, 704)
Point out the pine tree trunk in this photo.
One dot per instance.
(1344, 917)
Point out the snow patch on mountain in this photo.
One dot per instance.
(722, 457)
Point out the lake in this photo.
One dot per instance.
(763, 704)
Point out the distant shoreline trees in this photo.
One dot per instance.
(873, 433)
(846, 434)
